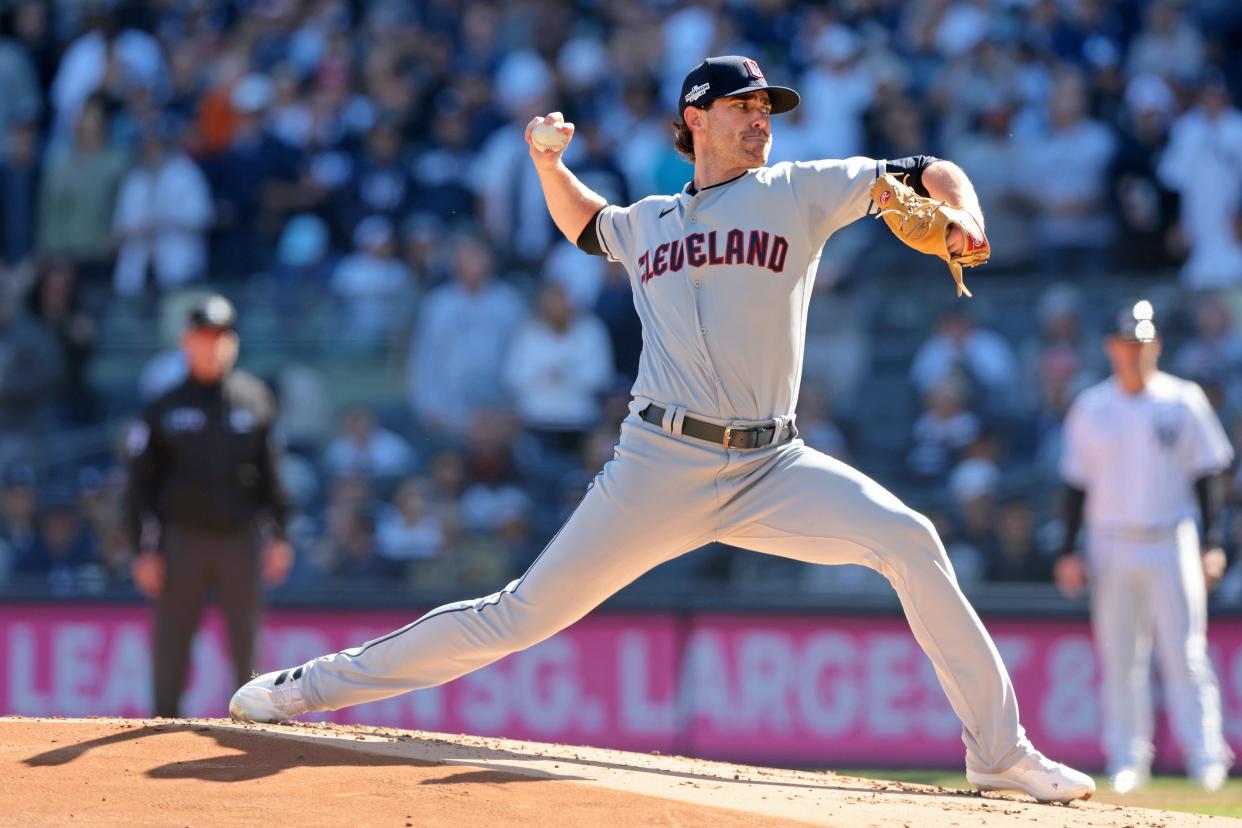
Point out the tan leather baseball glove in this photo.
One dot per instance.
(924, 223)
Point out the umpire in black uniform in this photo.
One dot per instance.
(205, 504)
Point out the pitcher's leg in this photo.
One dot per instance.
(1180, 609)
(1121, 625)
(812, 508)
(642, 511)
(456, 639)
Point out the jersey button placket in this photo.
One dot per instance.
(693, 219)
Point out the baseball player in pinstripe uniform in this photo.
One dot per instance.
(721, 275)
(1142, 458)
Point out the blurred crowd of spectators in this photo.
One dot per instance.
(367, 158)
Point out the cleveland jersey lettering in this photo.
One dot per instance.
(754, 248)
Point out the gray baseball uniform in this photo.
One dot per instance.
(722, 280)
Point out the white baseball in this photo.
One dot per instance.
(547, 138)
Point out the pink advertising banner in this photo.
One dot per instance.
(809, 690)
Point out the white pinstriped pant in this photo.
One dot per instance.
(663, 495)
(1146, 589)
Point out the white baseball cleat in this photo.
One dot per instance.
(271, 697)
(1211, 776)
(1129, 779)
(1038, 776)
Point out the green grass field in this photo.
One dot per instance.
(1169, 793)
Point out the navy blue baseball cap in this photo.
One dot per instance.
(729, 75)
(213, 312)
(1134, 321)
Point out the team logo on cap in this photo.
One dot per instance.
(697, 92)
(752, 69)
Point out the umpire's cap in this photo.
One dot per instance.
(1134, 321)
(212, 312)
(729, 75)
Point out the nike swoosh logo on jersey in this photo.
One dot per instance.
(669, 210)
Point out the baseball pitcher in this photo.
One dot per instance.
(721, 275)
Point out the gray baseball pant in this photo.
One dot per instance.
(664, 494)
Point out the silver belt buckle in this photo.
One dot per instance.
(728, 437)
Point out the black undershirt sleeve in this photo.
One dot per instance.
(588, 239)
(912, 166)
(1208, 491)
(1074, 501)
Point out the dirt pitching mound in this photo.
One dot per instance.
(198, 772)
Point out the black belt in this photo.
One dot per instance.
(734, 437)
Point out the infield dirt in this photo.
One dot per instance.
(201, 772)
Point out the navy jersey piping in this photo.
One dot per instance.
(692, 190)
